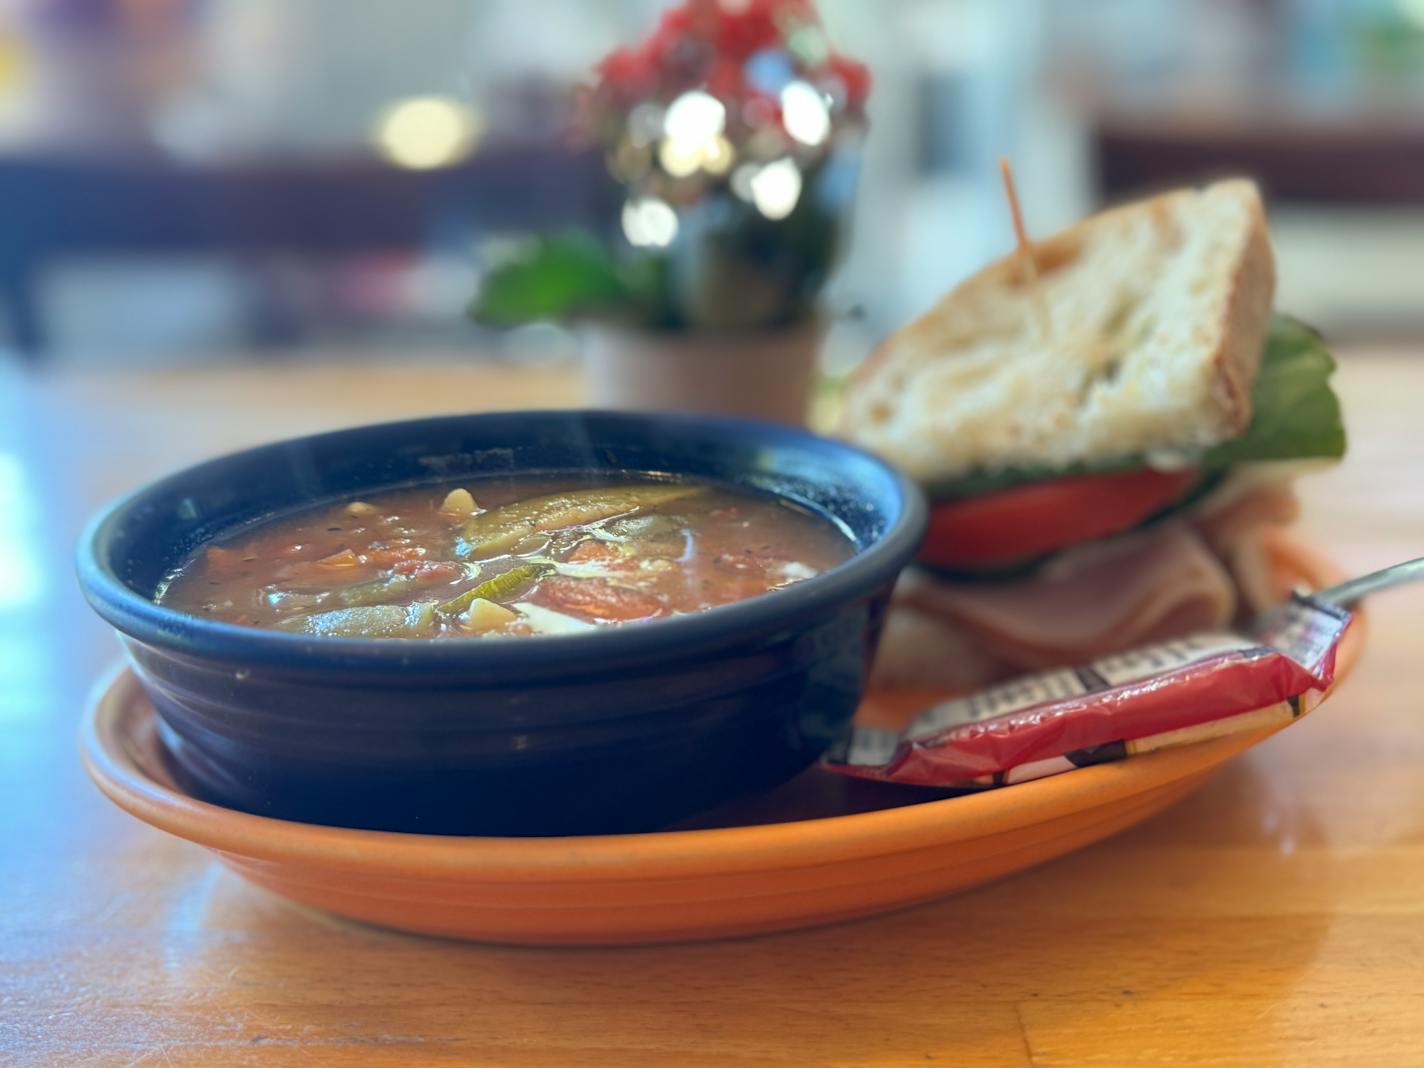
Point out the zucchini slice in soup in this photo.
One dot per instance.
(369, 621)
(497, 531)
(503, 587)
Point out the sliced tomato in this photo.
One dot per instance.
(611, 557)
(1027, 521)
(595, 599)
(393, 554)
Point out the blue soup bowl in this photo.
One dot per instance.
(618, 729)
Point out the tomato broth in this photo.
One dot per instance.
(500, 557)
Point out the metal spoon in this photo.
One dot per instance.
(1349, 593)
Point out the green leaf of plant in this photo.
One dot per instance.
(551, 277)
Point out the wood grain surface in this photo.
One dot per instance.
(1276, 917)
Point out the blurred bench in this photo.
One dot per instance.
(55, 207)
(1372, 159)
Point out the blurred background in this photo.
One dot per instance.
(187, 181)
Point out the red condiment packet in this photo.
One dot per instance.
(1145, 698)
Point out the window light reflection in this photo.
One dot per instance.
(775, 188)
(805, 114)
(694, 117)
(648, 221)
(424, 132)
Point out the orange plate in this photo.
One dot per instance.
(676, 885)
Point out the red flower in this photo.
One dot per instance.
(725, 80)
(739, 34)
(762, 110)
(706, 43)
(627, 70)
(854, 76)
(675, 21)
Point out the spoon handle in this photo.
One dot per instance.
(1346, 594)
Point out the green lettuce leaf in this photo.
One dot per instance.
(1295, 416)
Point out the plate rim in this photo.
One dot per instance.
(636, 857)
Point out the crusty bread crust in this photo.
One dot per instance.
(1156, 316)
(1246, 317)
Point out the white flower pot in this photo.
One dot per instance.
(757, 375)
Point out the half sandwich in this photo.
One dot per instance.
(1104, 423)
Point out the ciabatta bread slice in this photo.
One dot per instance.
(1147, 340)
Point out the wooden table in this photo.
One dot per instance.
(1276, 917)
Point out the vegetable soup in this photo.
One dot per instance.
(501, 557)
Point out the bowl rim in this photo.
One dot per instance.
(864, 572)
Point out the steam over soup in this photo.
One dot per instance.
(532, 556)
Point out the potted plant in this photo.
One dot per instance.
(733, 132)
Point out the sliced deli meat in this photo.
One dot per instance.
(1157, 585)
(1232, 526)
